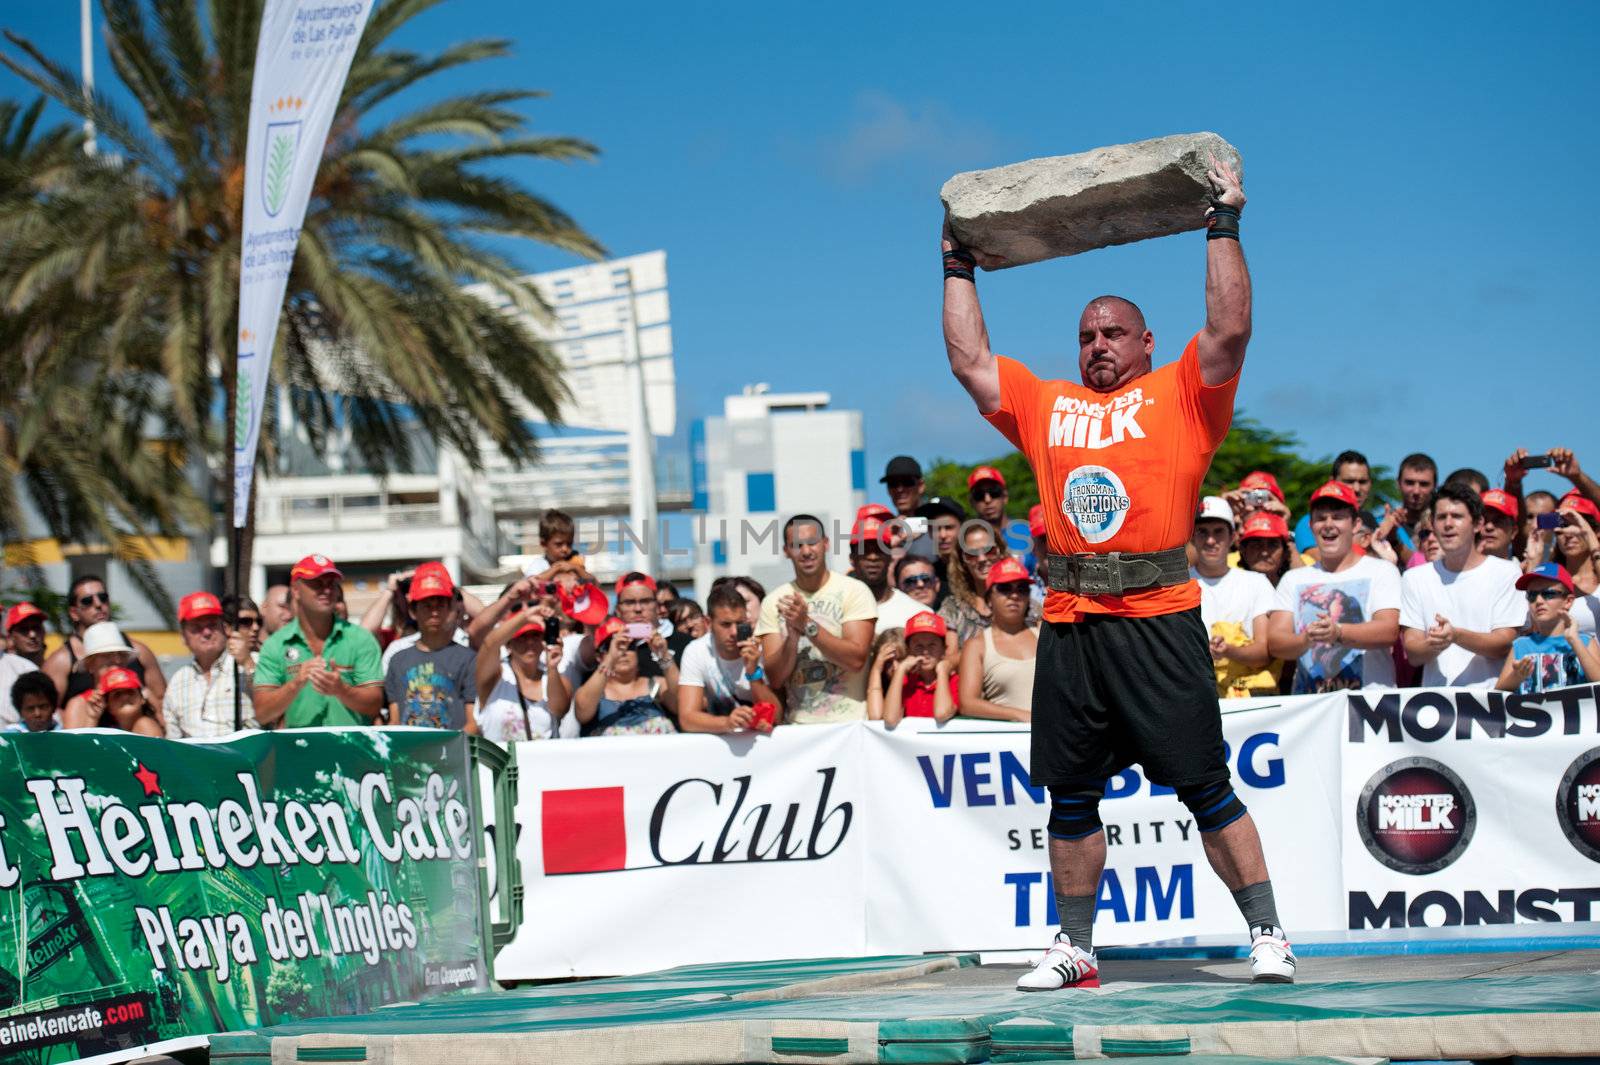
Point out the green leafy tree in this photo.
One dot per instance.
(86, 452)
(136, 258)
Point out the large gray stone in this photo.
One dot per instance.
(1067, 204)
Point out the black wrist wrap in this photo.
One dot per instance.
(1223, 222)
(959, 263)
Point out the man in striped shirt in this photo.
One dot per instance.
(199, 698)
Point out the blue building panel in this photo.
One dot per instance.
(858, 470)
(760, 493)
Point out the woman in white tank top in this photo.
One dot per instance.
(997, 662)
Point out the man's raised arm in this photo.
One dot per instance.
(966, 339)
(1227, 331)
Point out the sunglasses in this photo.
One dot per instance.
(90, 600)
(918, 580)
(988, 493)
(901, 482)
(1547, 594)
(247, 621)
(1012, 588)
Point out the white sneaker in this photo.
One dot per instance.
(1062, 966)
(1271, 960)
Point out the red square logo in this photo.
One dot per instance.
(584, 831)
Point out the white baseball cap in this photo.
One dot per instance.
(104, 638)
(1215, 508)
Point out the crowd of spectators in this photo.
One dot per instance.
(1461, 583)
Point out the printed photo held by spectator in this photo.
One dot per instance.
(319, 669)
(88, 603)
(816, 631)
(722, 678)
(433, 682)
(996, 673)
(1553, 654)
(1235, 606)
(32, 701)
(522, 694)
(200, 693)
(1460, 614)
(922, 682)
(620, 700)
(1339, 617)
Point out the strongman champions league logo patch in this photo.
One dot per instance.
(1578, 804)
(1416, 816)
(1096, 502)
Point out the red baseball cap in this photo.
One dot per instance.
(313, 566)
(867, 529)
(1006, 570)
(119, 680)
(1264, 525)
(584, 603)
(874, 510)
(1336, 491)
(635, 578)
(985, 473)
(927, 621)
(1036, 519)
(1263, 479)
(1504, 502)
(431, 581)
(20, 613)
(608, 628)
(1548, 571)
(1576, 500)
(199, 605)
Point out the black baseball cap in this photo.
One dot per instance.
(934, 506)
(901, 466)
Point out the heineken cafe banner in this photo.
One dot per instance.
(1378, 810)
(153, 891)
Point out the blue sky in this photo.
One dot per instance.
(1421, 224)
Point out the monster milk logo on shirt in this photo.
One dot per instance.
(1096, 501)
(283, 140)
(1076, 422)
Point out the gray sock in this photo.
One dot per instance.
(1256, 903)
(1077, 919)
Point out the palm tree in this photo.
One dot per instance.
(125, 479)
(378, 332)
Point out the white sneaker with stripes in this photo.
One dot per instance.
(1271, 960)
(1063, 965)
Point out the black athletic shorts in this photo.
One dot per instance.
(1109, 692)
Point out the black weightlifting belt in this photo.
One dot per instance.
(1116, 572)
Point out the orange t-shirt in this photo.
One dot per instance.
(1117, 471)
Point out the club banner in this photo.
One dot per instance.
(1376, 809)
(642, 853)
(152, 890)
(1471, 807)
(303, 55)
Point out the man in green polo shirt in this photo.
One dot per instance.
(318, 669)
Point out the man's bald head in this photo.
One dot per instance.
(1120, 301)
(1114, 344)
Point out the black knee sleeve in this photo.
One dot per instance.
(1074, 814)
(1214, 806)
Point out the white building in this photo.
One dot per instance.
(769, 457)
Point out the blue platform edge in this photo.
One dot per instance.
(1478, 939)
